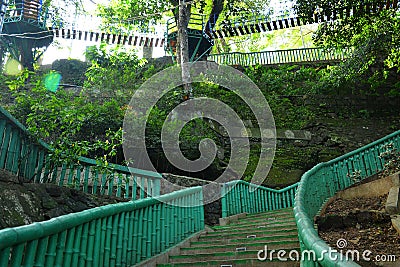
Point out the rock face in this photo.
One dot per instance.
(71, 70)
(27, 203)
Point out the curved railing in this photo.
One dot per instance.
(240, 196)
(280, 57)
(309, 196)
(23, 155)
(114, 235)
(322, 182)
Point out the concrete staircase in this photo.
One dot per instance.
(239, 243)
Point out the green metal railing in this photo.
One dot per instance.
(196, 22)
(280, 57)
(322, 182)
(21, 154)
(30, 11)
(114, 235)
(240, 196)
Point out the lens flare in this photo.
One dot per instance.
(52, 81)
(12, 67)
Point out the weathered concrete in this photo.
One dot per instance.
(374, 188)
(392, 203)
(396, 222)
(396, 179)
(230, 219)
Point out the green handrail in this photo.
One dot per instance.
(21, 154)
(196, 22)
(240, 196)
(322, 182)
(114, 235)
(280, 56)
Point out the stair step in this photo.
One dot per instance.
(259, 220)
(272, 213)
(265, 226)
(284, 244)
(238, 244)
(249, 254)
(275, 213)
(265, 217)
(248, 234)
(234, 263)
(244, 242)
(268, 238)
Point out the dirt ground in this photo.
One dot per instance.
(379, 238)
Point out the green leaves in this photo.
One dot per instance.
(368, 27)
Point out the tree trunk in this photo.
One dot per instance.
(26, 53)
(183, 47)
(148, 52)
(218, 6)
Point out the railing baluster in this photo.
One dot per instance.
(67, 260)
(17, 256)
(96, 230)
(5, 147)
(129, 236)
(51, 251)
(39, 253)
(60, 248)
(108, 241)
(29, 255)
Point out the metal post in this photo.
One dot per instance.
(3, 7)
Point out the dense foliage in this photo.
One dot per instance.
(134, 14)
(373, 33)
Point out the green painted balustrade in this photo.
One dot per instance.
(309, 196)
(114, 235)
(279, 57)
(240, 196)
(322, 182)
(23, 155)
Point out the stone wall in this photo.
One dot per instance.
(348, 105)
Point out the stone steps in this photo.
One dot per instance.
(243, 242)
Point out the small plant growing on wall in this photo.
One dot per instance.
(390, 156)
(355, 176)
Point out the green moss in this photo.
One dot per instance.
(291, 162)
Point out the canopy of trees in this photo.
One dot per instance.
(139, 13)
(371, 27)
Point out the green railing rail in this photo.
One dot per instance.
(240, 196)
(322, 182)
(21, 154)
(114, 235)
(30, 11)
(280, 57)
(196, 22)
